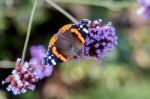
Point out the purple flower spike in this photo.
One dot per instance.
(37, 53)
(144, 9)
(25, 75)
(23, 78)
(100, 40)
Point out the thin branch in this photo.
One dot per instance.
(62, 11)
(29, 30)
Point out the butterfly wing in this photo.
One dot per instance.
(68, 44)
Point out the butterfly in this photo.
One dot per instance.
(67, 43)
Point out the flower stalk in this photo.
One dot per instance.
(62, 11)
(29, 31)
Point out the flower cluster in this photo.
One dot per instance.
(23, 78)
(37, 53)
(144, 9)
(25, 75)
(100, 40)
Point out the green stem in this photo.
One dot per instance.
(29, 31)
(62, 11)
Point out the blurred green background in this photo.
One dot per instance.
(123, 74)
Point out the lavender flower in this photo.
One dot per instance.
(100, 40)
(144, 9)
(37, 53)
(25, 75)
(23, 78)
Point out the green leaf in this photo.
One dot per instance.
(2, 95)
(6, 64)
(111, 5)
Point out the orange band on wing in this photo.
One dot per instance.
(54, 51)
(53, 40)
(78, 34)
(65, 28)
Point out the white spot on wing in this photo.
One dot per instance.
(85, 30)
(81, 26)
(53, 62)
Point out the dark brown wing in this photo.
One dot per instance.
(68, 44)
